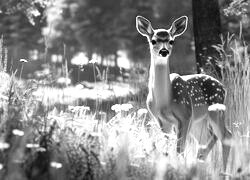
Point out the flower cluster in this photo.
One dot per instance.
(121, 107)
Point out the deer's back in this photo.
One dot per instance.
(197, 90)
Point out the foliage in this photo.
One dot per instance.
(31, 9)
(236, 18)
(18, 30)
(101, 27)
(237, 8)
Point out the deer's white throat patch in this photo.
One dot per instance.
(161, 60)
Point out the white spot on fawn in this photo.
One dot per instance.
(217, 107)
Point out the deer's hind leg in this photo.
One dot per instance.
(217, 121)
(204, 151)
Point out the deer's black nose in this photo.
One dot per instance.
(164, 52)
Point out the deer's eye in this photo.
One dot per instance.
(153, 42)
(171, 42)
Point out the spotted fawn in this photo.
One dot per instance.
(182, 101)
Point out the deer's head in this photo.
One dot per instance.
(161, 40)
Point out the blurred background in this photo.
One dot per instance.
(77, 31)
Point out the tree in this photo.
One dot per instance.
(132, 41)
(207, 30)
(21, 25)
(166, 13)
(103, 27)
(91, 26)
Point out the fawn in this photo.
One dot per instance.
(178, 100)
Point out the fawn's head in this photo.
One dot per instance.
(161, 40)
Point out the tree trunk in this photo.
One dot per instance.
(115, 59)
(207, 29)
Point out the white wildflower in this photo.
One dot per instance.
(32, 145)
(121, 107)
(23, 60)
(41, 149)
(126, 107)
(1, 166)
(4, 145)
(56, 165)
(93, 61)
(17, 132)
(116, 107)
(142, 111)
(63, 80)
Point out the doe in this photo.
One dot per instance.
(178, 100)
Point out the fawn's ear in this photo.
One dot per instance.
(179, 26)
(144, 27)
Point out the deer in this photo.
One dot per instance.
(181, 101)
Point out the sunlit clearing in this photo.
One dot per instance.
(80, 59)
(123, 60)
(50, 96)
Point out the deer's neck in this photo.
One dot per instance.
(159, 81)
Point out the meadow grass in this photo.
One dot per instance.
(39, 142)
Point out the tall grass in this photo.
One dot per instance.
(235, 72)
(236, 78)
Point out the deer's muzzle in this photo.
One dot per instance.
(164, 52)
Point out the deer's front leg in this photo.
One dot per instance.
(158, 115)
(184, 122)
(151, 106)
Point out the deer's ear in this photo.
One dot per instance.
(143, 26)
(179, 26)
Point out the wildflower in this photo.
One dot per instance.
(63, 80)
(142, 111)
(78, 108)
(4, 145)
(79, 86)
(116, 107)
(126, 107)
(86, 108)
(3, 97)
(41, 149)
(55, 165)
(23, 60)
(32, 146)
(121, 107)
(93, 61)
(237, 125)
(1, 166)
(18, 132)
(71, 108)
